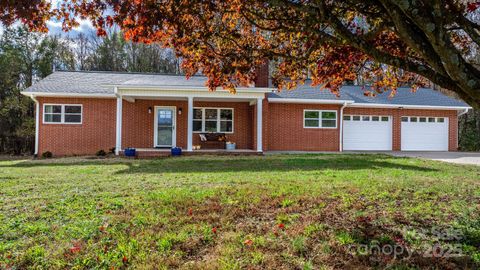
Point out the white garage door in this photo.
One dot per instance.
(424, 133)
(367, 132)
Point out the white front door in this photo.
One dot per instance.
(424, 133)
(164, 127)
(367, 132)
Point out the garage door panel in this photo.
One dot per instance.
(367, 135)
(424, 136)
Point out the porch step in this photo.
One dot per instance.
(154, 153)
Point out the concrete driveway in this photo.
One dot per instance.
(452, 157)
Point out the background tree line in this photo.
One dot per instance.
(27, 57)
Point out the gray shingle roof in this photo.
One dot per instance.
(91, 83)
(404, 96)
(86, 82)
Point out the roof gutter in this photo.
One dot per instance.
(37, 121)
(64, 94)
(308, 101)
(400, 106)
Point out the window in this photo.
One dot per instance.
(320, 119)
(346, 117)
(367, 118)
(52, 114)
(62, 114)
(312, 118)
(226, 120)
(424, 119)
(213, 120)
(197, 120)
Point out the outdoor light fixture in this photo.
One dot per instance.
(179, 110)
(149, 109)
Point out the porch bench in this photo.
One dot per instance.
(212, 140)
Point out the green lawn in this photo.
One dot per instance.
(282, 212)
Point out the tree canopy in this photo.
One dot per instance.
(390, 42)
(26, 57)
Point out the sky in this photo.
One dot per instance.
(55, 27)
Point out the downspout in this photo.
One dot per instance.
(341, 126)
(464, 112)
(37, 120)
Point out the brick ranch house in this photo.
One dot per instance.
(80, 113)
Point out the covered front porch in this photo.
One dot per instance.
(153, 120)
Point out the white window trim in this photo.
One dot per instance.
(320, 119)
(418, 119)
(218, 119)
(62, 114)
(369, 115)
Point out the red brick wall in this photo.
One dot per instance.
(262, 75)
(138, 124)
(98, 128)
(398, 113)
(96, 132)
(286, 131)
(285, 126)
(282, 126)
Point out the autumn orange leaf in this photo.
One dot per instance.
(363, 42)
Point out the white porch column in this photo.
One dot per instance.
(259, 124)
(118, 137)
(190, 124)
(37, 123)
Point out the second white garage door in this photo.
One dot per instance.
(367, 132)
(424, 133)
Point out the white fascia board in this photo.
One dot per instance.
(139, 93)
(400, 106)
(78, 95)
(308, 101)
(192, 88)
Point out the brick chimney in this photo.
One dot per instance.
(262, 73)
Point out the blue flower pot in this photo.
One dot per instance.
(130, 152)
(176, 151)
